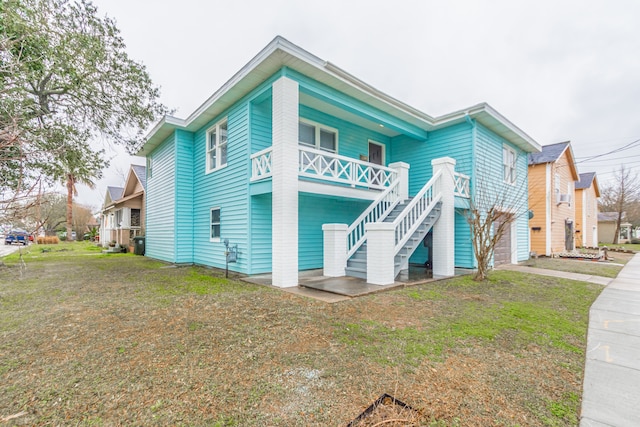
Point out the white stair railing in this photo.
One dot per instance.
(378, 210)
(416, 211)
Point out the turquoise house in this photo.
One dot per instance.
(304, 166)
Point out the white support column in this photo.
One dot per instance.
(380, 244)
(335, 249)
(403, 175)
(284, 209)
(444, 228)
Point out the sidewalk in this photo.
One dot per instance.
(611, 389)
(555, 273)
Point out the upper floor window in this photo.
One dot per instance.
(509, 165)
(318, 136)
(217, 146)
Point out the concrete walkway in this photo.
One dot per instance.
(555, 273)
(611, 392)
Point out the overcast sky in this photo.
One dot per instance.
(559, 70)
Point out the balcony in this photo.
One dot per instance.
(323, 167)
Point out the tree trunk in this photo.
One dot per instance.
(70, 186)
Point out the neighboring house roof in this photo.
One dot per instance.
(610, 216)
(114, 193)
(585, 181)
(551, 153)
(141, 173)
(282, 53)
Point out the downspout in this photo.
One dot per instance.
(472, 174)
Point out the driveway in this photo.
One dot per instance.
(8, 249)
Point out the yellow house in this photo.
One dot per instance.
(552, 175)
(587, 193)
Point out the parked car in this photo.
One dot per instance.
(17, 236)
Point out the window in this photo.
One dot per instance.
(135, 217)
(118, 218)
(509, 165)
(215, 225)
(317, 136)
(149, 167)
(217, 146)
(556, 180)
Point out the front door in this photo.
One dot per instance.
(568, 235)
(502, 249)
(375, 156)
(375, 153)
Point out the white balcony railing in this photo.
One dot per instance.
(261, 164)
(325, 166)
(461, 188)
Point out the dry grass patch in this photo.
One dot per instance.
(121, 340)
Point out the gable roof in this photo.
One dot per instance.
(550, 153)
(114, 193)
(141, 174)
(585, 181)
(281, 53)
(610, 216)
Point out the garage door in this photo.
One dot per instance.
(502, 250)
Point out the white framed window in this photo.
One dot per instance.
(149, 167)
(217, 146)
(214, 220)
(318, 136)
(509, 164)
(556, 180)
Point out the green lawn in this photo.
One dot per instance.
(93, 339)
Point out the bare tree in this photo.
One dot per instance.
(494, 205)
(621, 195)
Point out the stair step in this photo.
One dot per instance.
(356, 272)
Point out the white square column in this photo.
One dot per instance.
(284, 209)
(381, 242)
(334, 249)
(402, 169)
(444, 228)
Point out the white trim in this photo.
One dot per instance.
(305, 186)
(383, 160)
(549, 196)
(514, 241)
(215, 239)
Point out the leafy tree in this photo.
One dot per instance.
(621, 195)
(65, 79)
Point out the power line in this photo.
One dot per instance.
(615, 158)
(617, 150)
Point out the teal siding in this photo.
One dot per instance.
(464, 248)
(160, 199)
(184, 197)
(226, 188)
(260, 234)
(454, 142)
(489, 175)
(312, 213)
(261, 125)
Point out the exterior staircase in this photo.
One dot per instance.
(357, 263)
